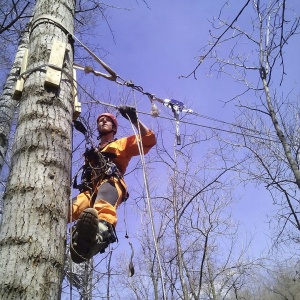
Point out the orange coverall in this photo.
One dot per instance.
(123, 149)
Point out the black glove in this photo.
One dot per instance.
(128, 112)
(80, 127)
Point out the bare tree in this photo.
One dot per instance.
(11, 13)
(198, 240)
(7, 102)
(14, 16)
(252, 49)
(57, 157)
(277, 280)
(283, 281)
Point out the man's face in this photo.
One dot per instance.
(105, 124)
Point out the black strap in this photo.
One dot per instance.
(106, 166)
(85, 184)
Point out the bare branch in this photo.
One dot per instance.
(203, 57)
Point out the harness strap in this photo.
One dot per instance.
(103, 167)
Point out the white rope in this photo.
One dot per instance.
(142, 155)
(70, 245)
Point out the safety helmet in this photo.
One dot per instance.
(111, 116)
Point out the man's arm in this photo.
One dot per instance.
(142, 127)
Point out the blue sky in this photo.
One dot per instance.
(152, 45)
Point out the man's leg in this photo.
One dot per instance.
(95, 226)
(109, 196)
(83, 235)
(79, 204)
(85, 229)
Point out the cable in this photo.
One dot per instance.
(215, 128)
(200, 125)
(227, 123)
(152, 97)
(185, 122)
(113, 76)
(266, 138)
(191, 123)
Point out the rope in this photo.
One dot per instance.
(264, 136)
(69, 256)
(142, 155)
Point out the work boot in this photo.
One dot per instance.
(90, 236)
(84, 234)
(105, 236)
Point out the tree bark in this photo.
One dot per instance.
(32, 235)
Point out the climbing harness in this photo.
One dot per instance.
(97, 167)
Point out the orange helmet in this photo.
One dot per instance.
(111, 116)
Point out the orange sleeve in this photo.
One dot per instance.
(126, 148)
(148, 141)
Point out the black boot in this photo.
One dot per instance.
(105, 236)
(90, 236)
(83, 235)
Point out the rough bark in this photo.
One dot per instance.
(32, 235)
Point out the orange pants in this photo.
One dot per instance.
(109, 194)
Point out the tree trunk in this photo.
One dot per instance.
(32, 235)
(7, 103)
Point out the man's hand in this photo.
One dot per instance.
(128, 112)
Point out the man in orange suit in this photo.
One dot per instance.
(105, 189)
